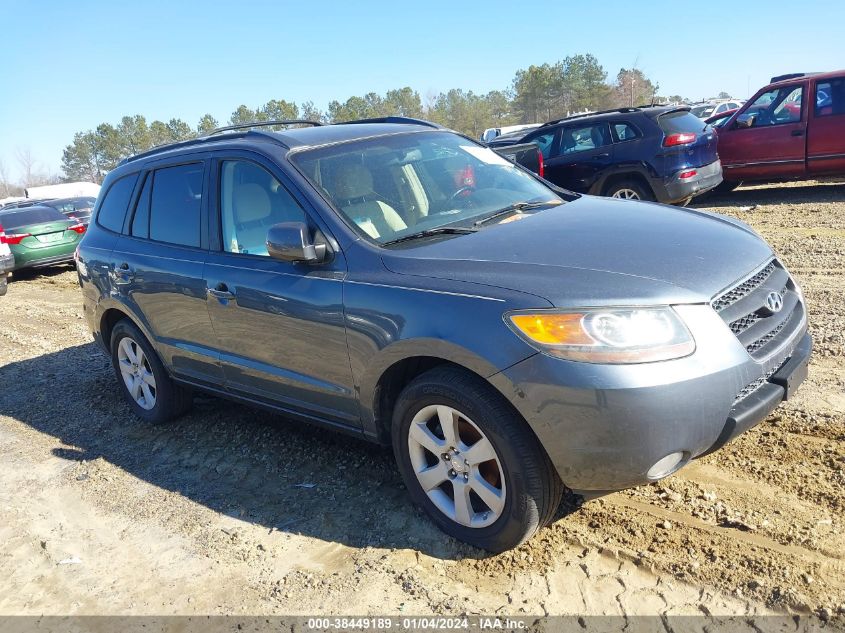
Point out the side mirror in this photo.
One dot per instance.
(291, 242)
(746, 120)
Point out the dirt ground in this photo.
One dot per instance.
(235, 511)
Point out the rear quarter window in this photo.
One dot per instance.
(115, 204)
(675, 122)
(623, 131)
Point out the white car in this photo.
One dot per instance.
(7, 261)
(712, 108)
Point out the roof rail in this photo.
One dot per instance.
(395, 119)
(245, 126)
(583, 114)
(194, 141)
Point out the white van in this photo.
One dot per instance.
(492, 132)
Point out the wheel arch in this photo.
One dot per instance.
(635, 176)
(398, 365)
(110, 317)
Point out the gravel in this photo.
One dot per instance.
(246, 512)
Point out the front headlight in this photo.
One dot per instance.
(606, 335)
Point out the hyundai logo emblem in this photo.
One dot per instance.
(774, 302)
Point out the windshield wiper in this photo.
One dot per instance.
(515, 207)
(443, 230)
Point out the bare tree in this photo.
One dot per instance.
(4, 180)
(28, 165)
(32, 172)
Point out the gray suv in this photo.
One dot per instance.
(400, 282)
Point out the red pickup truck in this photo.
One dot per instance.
(793, 128)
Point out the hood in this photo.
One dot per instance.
(596, 251)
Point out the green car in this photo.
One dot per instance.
(39, 236)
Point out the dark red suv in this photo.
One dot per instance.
(793, 128)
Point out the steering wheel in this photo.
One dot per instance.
(464, 189)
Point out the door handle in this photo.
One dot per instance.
(797, 132)
(603, 155)
(221, 292)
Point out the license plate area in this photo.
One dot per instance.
(793, 373)
(49, 238)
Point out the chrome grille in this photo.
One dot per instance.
(764, 340)
(740, 325)
(743, 323)
(741, 290)
(743, 308)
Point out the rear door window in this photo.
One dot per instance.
(176, 204)
(830, 97)
(583, 138)
(113, 209)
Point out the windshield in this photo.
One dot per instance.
(394, 186)
(680, 121)
(702, 112)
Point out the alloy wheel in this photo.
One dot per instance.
(626, 194)
(457, 466)
(136, 373)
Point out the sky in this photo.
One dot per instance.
(68, 65)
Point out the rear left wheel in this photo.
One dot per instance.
(152, 394)
(629, 190)
(471, 462)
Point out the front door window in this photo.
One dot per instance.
(777, 106)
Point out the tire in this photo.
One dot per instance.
(158, 400)
(629, 190)
(520, 479)
(726, 186)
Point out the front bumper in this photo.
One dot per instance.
(706, 178)
(757, 405)
(605, 426)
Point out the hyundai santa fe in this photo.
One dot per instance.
(398, 281)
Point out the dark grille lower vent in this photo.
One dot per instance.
(754, 386)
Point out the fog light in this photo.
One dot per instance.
(666, 466)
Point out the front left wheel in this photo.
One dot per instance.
(471, 462)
